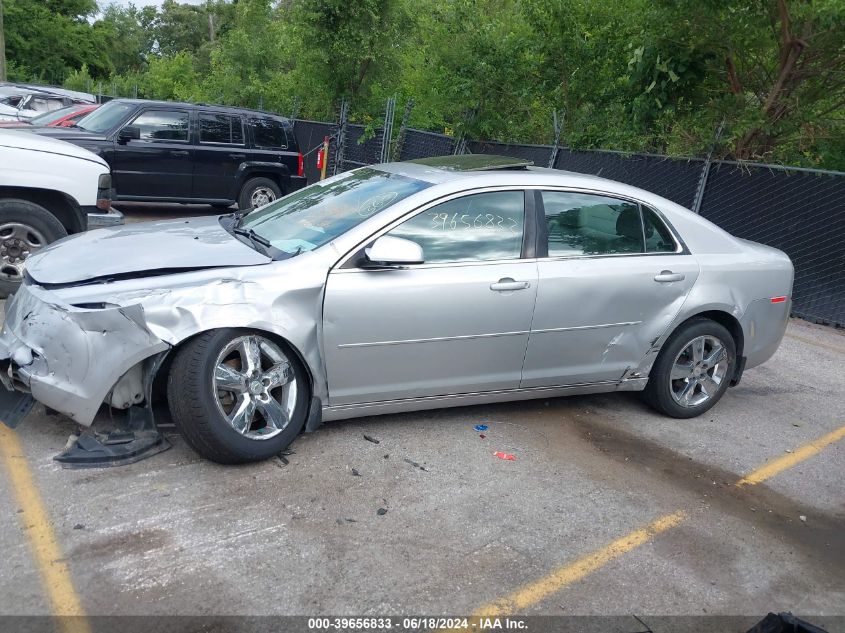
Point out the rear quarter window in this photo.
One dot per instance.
(268, 133)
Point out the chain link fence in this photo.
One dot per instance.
(799, 211)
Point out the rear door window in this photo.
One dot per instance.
(588, 224)
(221, 128)
(268, 133)
(658, 238)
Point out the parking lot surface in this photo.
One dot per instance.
(608, 508)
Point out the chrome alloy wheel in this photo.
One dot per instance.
(698, 371)
(255, 386)
(17, 242)
(261, 196)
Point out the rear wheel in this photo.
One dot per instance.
(257, 192)
(237, 396)
(693, 370)
(25, 228)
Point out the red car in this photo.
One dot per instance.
(63, 117)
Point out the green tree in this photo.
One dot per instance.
(45, 39)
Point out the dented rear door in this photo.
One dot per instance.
(596, 317)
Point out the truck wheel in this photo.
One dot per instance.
(257, 192)
(237, 396)
(25, 228)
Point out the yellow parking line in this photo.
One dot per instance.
(791, 459)
(55, 575)
(561, 577)
(564, 576)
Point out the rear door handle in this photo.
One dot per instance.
(237, 156)
(179, 152)
(666, 276)
(509, 284)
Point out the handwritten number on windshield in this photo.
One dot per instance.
(447, 222)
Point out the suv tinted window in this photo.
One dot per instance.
(268, 133)
(483, 226)
(221, 128)
(585, 224)
(163, 125)
(658, 239)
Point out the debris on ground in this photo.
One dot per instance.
(480, 427)
(415, 464)
(371, 439)
(355, 472)
(281, 461)
(803, 518)
(78, 526)
(381, 512)
(506, 456)
(481, 435)
(387, 455)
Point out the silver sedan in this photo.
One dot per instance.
(433, 283)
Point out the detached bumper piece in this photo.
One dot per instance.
(139, 440)
(14, 405)
(784, 623)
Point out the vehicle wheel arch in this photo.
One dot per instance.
(724, 318)
(63, 207)
(245, 172)
(160, 379)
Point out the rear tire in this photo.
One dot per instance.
(237, 396)
(257, 192)
(693, 370)
(25, 228)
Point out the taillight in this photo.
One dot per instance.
(300, 169)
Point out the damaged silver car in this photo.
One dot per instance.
(434, 283)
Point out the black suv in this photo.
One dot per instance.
(161, 151)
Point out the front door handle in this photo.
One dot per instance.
(509, 284)
(237, 156)
(179, 152)
(667, 276)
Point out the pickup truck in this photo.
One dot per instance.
(48, 189)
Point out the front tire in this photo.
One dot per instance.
(237, 396)
(257, 192)
(693, 370)
(25, 228)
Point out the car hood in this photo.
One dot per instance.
(71, 134)
(141, 250)
(28, 140)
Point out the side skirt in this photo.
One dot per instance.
(346, 411)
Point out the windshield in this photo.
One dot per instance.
(318, 214)
(105, 117)
(55, 115)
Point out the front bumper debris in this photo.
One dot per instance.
(69, 358)
(14, 405)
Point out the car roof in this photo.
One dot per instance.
(490, 167)
(210, 106)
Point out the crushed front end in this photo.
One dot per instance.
(71, 357)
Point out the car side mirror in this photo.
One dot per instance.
(129, 133)
(394, 251)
